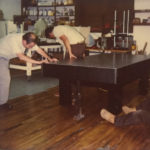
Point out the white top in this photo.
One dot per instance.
(11, 45)
(72, 34)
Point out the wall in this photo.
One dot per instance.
(100, 13)
(142, 33)
(10, 8)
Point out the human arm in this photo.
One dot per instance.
(67, 45)
(21, 56)
(42, 53)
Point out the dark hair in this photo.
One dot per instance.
(30, 37)
(48, 30)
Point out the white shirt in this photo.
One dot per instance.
(71, 33)
(11, 45)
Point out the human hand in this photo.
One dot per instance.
(72, 56)
(84, 55)
(54, 60)
(46, 61)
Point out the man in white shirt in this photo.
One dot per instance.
(11, 46)
(74, 42)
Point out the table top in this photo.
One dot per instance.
(110, 61)
(107, 68)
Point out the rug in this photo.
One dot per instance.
(20, 86)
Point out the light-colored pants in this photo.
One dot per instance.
(4, 80)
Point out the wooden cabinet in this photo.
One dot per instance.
(53, 11)
(100, 13)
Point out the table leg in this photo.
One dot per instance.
(143, 85)
(78, 102)
(115, 99)
(65, 92)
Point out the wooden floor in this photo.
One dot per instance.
(38, 122)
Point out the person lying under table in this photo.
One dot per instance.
(133, 116)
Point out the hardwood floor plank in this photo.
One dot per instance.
(38, 122)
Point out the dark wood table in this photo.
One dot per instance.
(110, 71)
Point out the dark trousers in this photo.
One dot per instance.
(78, 50)
(142, 115)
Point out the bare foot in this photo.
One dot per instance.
(127, 109)
(107, 116)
